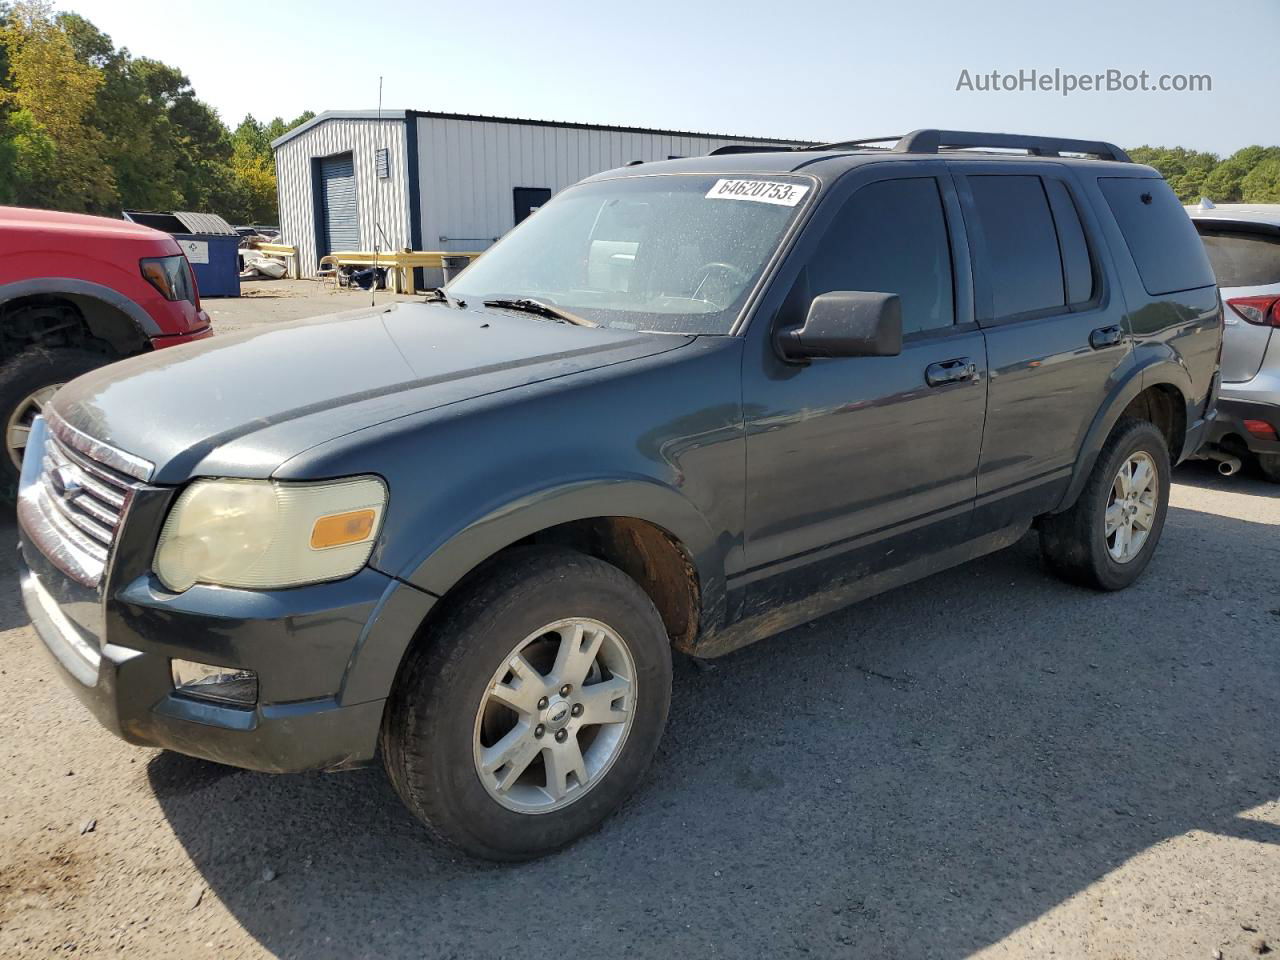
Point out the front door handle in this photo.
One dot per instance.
(1106, 336)
(950, 371)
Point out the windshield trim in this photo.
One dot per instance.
(781, 248)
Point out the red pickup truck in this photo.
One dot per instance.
(77, 292)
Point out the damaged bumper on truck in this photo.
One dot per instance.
(320, 656)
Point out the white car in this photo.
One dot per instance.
(1243, 243)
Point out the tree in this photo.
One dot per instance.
(8, 150)
(57, 158)
(89, 127)
(1186, 170)
(254, 168)
(137, 136)
(1262, 184)
(1223, 185)
(254, 173)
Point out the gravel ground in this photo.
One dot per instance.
(263, 302)
(986, 762)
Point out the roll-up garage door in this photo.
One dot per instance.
(338, 201)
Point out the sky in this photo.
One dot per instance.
(815, 71)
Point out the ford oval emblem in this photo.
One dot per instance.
(66, 481)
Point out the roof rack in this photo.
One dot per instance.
(934, 141)
(864, 142)
(751, 148)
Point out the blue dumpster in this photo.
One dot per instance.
(210, 243)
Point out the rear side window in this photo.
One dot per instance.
(1077, 267)
(891, 237)
(1021, 244)
(1159, 234)
(1242, 259)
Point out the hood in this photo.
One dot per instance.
(28, 220)
(241, 405)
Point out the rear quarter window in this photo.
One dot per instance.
(1161, 238)
(1242, 259)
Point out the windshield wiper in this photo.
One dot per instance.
(437, 295)
(537, 307)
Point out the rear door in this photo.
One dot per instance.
(1057, 343)
(859, 465)
(1246, 261)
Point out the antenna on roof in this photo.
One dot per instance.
(377, 228)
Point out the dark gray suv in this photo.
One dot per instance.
(687, 404)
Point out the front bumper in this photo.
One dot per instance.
(172, 340)
(115, 655)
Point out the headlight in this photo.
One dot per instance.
(170, 275)
(261, 534)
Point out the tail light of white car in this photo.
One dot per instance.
(1262, 311)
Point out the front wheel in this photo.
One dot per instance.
(1106, 539)
(27, 382)
(533, 708)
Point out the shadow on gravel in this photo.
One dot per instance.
(12, 613)
(1204, 475)
(917, 776)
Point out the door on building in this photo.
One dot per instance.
(340, 227)
(529, 199)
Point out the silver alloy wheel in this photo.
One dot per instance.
(1131, 507)
(24, 414)
(555, 716)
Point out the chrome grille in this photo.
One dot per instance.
(73, 503)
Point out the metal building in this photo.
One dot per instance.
(360, 180)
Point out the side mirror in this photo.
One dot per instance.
(846, 324)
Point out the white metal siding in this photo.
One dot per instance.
(380, 203)
(468, 172)
(470, 168)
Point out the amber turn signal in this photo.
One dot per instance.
(338, 529)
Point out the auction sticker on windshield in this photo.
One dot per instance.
(761, 191)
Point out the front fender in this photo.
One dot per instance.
(1149, 372)
(444, 560)
(84, 288)
(406, 602)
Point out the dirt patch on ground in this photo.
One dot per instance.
(270, 302)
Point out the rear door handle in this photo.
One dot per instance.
(1106, 337)
(950, 371)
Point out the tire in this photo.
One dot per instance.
(435, 735)
(22, 378)
(1075, 544)
(1269, 464)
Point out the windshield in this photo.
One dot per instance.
(674, 253)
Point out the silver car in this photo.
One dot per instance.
(1243, 243)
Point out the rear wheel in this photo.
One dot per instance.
(534, 707)
(1106, 539)
(27, 382)
(1269, 463)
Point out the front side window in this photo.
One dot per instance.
(673, 253)
(891, 237)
